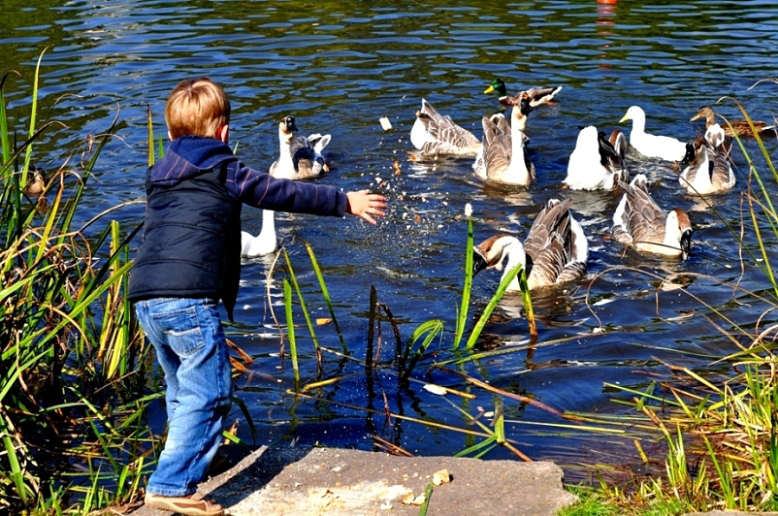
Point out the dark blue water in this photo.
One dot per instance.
(340, 66)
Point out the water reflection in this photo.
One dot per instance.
(341, 67)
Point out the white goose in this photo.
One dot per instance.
(706, 168)
(300, 157)
(264, 243)
(554, 252)
(597, 163)
(651, 145)
(503, 155)
(640, 223)
(437, 135)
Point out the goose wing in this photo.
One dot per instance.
(496, 151)
(304, 158)
(442, 134)
(645, 220)
(540, 95)
(552, 219)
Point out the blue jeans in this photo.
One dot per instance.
(192, 350)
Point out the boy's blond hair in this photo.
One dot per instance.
(198, 107)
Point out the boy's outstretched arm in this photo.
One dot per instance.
(364, 204)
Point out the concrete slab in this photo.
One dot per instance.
(340, 482)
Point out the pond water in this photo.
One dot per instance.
(340, 66)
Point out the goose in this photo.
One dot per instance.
(639, 222)
(537, 95)
(554, 252)
(503, 155)
(705, 169)
(597, 162)
(733, 127)
(437, 135)
(264, 243)
(651, 145)
(300, 157)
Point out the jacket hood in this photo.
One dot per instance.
(187, 157)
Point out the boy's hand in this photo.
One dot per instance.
(364, 204)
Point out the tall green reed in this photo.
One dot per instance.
(69, 349)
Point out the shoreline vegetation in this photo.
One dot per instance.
(77, 380)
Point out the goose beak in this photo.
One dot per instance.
(479, 262)
(624, 119)
(489, 89)
(686, 242)
(695, 117)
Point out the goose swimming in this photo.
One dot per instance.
(706, 169)
(640, 223)
(437, 135)
(651, 145)
(503, 155)
(554, 253)
(597, 162)
(300, 157)
(264, 243)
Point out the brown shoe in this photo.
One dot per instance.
(186, 505)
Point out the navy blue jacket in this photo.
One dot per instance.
(191, 234)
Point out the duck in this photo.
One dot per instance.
(36, 182)
(640, 223)
(554, 253)
(651, 145)
(706, 169)
(597, 162)
(503, 156)
(437, 135)
(732, 128)
(537, 95)
(265, 243)
(300, 157)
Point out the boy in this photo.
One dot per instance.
(188, 260)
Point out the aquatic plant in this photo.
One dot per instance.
(71, 357)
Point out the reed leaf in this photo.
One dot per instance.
(325, 293)
(466, 288)
(502, 287)
(290, 330)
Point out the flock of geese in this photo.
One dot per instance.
(555, 251)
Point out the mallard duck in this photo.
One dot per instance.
(36, 181)
(597, 162)
(651, 145)
(705, 169)
(555, 250)
(640, 223)
(503, 156)
(437, 135)
(300, 157)
(264, 243)
(738, 127)
(537, 95)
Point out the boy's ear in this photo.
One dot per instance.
(170, 136)
(223, 133)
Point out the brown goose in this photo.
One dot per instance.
(437, 135)
(554, 252)
(503, 155)
(640, 223)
